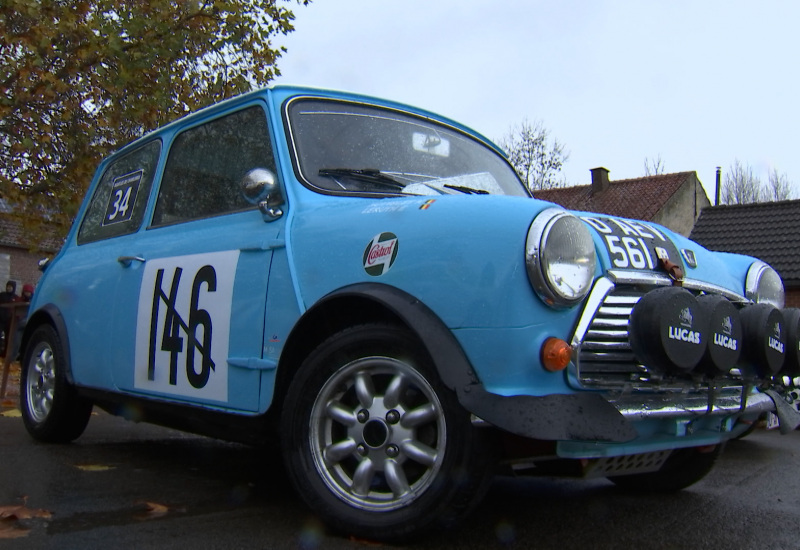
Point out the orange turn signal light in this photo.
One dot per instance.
(556, 354)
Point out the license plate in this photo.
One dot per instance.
(772, 421)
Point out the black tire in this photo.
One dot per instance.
(52, 410)
(683, 468)
(751, 427)
(373, 441)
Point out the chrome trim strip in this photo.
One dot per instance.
(657, 279)
(615, 311)
(607, 333)
(606, 345)
(710, 288)
(596, 297)
(606, 356)
(639, 408)
(638, 278)
(612, 323)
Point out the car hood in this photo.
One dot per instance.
(631, 245)
(470, 249)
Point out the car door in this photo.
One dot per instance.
(194, 283)
(86, 275)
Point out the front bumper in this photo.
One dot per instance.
(594, 417)
(728, 402)
(622, 398)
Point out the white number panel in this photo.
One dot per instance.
(183, 324)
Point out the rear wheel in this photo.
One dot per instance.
(683, 468)
(374, 442)
(753, 424)
(51, 409)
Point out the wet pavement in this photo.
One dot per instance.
(126, 485)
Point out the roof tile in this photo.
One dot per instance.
(13, 234)
(638, 198)
(768, 231)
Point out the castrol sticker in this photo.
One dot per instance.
(380, 254)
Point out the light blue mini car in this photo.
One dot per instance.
(371, 285)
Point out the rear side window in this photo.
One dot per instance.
(119, 202)
(206, 165)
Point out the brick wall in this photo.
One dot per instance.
(793, 297)
(24, 266)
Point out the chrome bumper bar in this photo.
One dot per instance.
(634, 407)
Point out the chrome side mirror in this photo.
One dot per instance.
(260, 187)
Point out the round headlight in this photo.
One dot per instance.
(560, 257)
(764, 286)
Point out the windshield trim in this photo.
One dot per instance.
(384, 193)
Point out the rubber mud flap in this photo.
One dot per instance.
(585, 416)
(667, 331)
(724, 346)
(788, 416)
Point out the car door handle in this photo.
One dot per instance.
(261, 246)
(126, 261)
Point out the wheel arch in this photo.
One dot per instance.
(49, 314)
(550, 417)
(373, 302)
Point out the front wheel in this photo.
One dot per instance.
(375, 443)
(683, 468)
(51, 409)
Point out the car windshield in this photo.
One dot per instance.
(344, 147)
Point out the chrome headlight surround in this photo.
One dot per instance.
(560, 258)
(763, 285)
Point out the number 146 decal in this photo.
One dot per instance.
(183, 324)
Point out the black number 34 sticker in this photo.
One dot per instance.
(183, 325)
(123, 197)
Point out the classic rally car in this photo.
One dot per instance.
(372, 286)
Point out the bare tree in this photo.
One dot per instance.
(779, 188)
(654, 167)
(537, 161)
(741, 185)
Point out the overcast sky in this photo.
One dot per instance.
(699, 83)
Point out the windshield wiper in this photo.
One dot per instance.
(467, 190)
(367, 175)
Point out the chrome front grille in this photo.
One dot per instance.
(604, 358)
(604, 353)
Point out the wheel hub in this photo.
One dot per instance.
(40, 383)
(378, 433)
(375, 434)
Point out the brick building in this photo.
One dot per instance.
(17, 263)
(671, 200)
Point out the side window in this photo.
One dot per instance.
(206, 164)
(119, 202)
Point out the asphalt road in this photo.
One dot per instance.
(126, 485)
